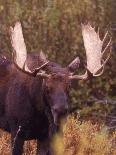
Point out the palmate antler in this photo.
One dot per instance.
(93, 46)
(20, 52)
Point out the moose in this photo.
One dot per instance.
(34, 90)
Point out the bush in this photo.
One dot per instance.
(83, 138)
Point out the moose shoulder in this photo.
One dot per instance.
(34, 90)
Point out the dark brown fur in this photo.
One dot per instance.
(30, 107)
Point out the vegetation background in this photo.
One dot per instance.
(54, 26)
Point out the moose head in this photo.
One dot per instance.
(56, 79)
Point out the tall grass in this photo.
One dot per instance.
(84, 138)
(75, 138)
(5, 145)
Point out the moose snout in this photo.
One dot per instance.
(60, 102)
(59, 113)
(60, 109)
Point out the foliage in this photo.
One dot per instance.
(84, 138)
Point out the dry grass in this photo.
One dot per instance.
(77, 138)
(84, 138)
(5, 145)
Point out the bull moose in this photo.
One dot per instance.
(34, 90)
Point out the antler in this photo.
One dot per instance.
(20, 52)
(93, 46)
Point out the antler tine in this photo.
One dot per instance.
(103, 65)
(108, 55)
(79, 77)
(35, 72)
(43, 74)
(107, 46)
(104, 61)
(105, 36)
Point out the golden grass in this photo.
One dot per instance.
(84, 138)
(5, 145)
(76, 138)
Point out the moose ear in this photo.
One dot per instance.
(74, 64)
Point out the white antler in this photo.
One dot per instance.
(18, 44)
(93, 46)
(20, 52)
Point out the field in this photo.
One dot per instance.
(75, 138)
